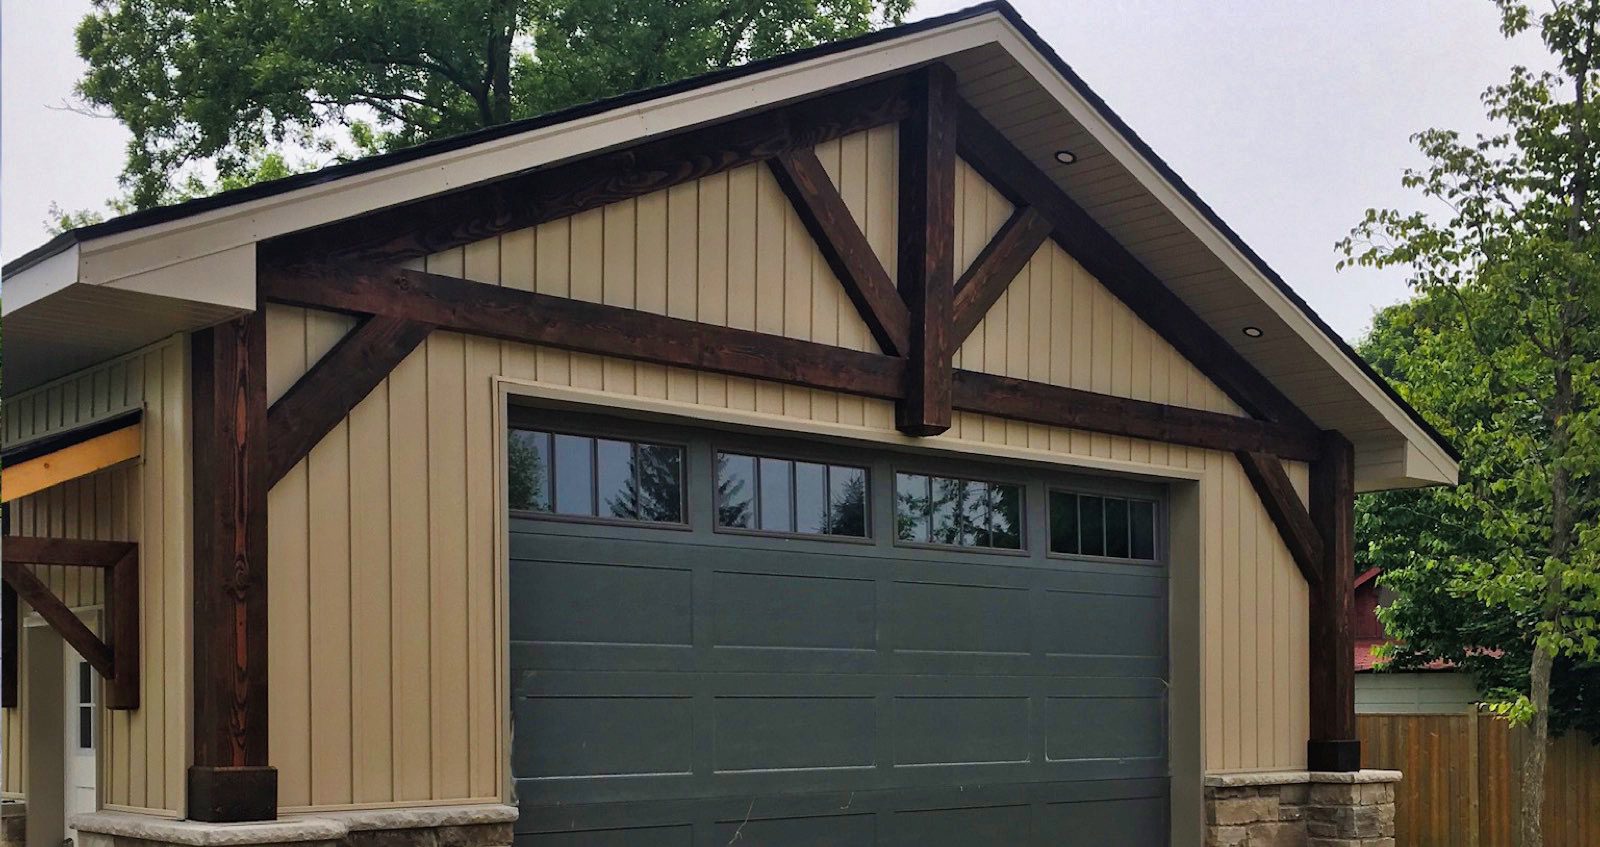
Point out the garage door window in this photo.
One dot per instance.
(584, 477)
(958, 512)
(767, 494)
(1092, 525)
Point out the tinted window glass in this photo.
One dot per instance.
(1063, 522)
(776, 493)
(781, 495)
(1142, 529)
(958, 512)
(574, 475)
(587, 477)
(528, 470)
(1116, 527)
(1091, 526)
(618, 496)
(911, 508)
(847, 501)
(736, 491)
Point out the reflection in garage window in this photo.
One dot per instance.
(780, 495)
(595, 477)
(958, 512)
(1093, 525)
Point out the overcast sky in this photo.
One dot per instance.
(1289, 118)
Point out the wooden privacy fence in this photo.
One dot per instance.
(1462, 782)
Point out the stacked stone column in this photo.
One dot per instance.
(1299, 809)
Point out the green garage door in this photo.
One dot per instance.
(723, 639)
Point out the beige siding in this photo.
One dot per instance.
(385, 658)
(144, 752)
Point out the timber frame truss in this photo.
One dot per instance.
(117, 662)
(919, 316)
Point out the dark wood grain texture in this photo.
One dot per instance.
(522, 200)
(845, 248)
(341, 379)
(1333, 744)
(37, 595)
(993, 270)
(33, 550)
(10, 643)
(1073, 408)
(988, 151)
(512, 315)
(927, 247)
(230, 558)
(122, 627)
(1289, 514)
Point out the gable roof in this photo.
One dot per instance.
(168, 261)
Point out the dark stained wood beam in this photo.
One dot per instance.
(229, 778)
(532, 197)
(10, 643)
(118, 661)
(509, 314)
(927, 247)
(37, 595)
(1333, 745)
(845, 248)
(122, 626)
(1288, 513)
(315, 404)
(31, 550)
(1055, 405)
(988, 151)
(993, 270)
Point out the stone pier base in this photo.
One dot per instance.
(1300, 809)
(428, 826)
(13, 824)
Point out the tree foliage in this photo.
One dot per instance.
(211, 85)
(1503, 348)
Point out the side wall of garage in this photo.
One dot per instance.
(386, 653)
(143, 752)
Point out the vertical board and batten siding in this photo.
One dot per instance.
(143, 752)
(384, 653)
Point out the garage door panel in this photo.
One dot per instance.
(688, 685)
(1121, 812)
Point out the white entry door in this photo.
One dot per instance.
(82, 729)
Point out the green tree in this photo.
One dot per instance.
(211, 85)
(1509, 270)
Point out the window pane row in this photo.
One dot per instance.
(1092, 525)
(958, 512)
(595, 477)
(780, 495)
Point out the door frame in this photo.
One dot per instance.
(45, 655)
(1185, 590)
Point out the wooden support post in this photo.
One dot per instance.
(229, 778)
(122, 626)
(10, 644)
(1333, 745)
(927, 247)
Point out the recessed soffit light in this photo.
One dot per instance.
(1066, 157)
(1253, 331)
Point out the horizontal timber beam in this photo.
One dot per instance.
(340, 380)
(845, 248)
(118, 662)
(475, 308)
(68, 462)
(1288, 513)
(526, 199)
(1072, 408)
(988, 151)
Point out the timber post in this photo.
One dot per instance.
(229, 778)
(1333, 745)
